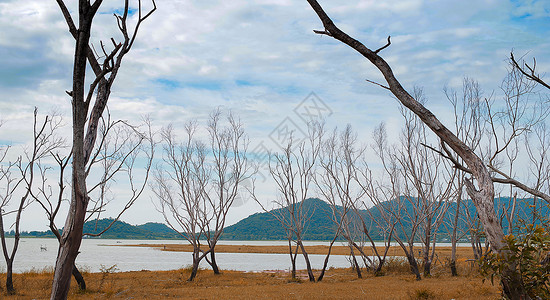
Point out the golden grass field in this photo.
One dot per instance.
(397, 283)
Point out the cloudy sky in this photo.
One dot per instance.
(261, 60)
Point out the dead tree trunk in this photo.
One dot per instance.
(414, 266)
(79, 278)
(195, 266)
(213, 263)
(454, 234)
(308, 264)
(483, 195)
(322, 274)
(292, 258)
(83, 143)
(355, 263)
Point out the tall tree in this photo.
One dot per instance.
(482, 189)
(293, 171)
(180, 185)
(230, 167)
(86, 115)
(119, 146)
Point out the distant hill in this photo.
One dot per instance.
(264, 226)
(119, 230)
(123, 230)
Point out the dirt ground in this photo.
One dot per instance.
(397, 283)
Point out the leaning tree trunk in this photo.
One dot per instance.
(355, 264)
(320, 278)
(454, 238)
(413, 265)
(308, 264)
(483, 195)
(71, 238)
(79, 278)
(213, 263)
(195, 266)
(69, 244)
(76, 273)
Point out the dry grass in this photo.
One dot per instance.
(338, 284)
(442, 252)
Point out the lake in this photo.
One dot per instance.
(96, 254)
(100, 253)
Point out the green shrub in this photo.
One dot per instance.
(530, 254)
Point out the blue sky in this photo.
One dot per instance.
(260, 59)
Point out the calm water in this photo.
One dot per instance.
(98, 253)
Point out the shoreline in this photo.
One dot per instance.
(441, 252)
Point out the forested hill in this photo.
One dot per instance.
(119, 230)
(264, 226)
(123, 230)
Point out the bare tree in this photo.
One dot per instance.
(229, 168)
(469, 127)
(337, 182)
(396, 208)
(105, 67)
(119, 146)
(180, 187)
(538, 150)
(293, 171)
(197, 184)
(499, 133)
(483, 194)
(427, 182)
(18, 179)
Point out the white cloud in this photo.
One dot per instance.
(260, 58)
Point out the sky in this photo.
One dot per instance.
(262, 61)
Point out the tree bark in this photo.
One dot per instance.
(9, 279)
(414, 266)
(454, 272)
(308, 264)
(426, 254)
(454, 237)
(213, 262)
(79, 278)
(195, 266)
(326, 259)
(355, 263)
(72, 233)
(292, 259)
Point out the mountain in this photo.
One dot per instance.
(264, 226)
(119, 230)
(123, 230)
